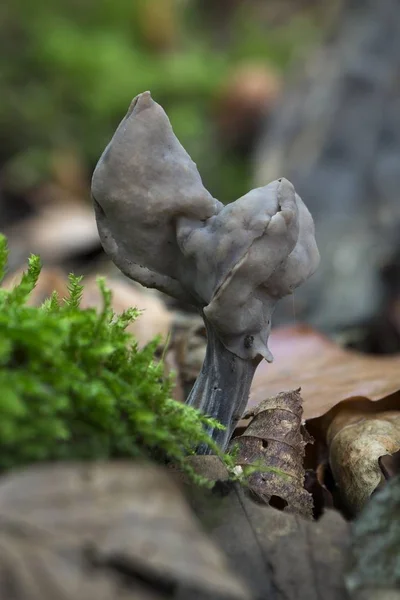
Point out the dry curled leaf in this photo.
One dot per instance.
(356, 441)
(339, 387)
(275, 438)
(108, 531)
(326, 373)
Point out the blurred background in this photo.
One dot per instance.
(255, 90)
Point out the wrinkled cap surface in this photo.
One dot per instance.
(142, 182)
(155, 217)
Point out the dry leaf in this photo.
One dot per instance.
(30, 570)
(338, 386)
(326, 373)
(281, 556)
(63, 227)
(65, 528)
(356, 442)
(276, 439)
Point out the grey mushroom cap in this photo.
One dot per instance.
(142, 182)
(279, 259)
(163, 228)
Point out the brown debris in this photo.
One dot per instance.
(356, 441)
(275, 438)
(345, 396)
(106, 531)
(280, 556)
(326, 373)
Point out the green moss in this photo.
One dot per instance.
(75, 385)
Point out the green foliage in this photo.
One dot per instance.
(69, 69)
(75, 385)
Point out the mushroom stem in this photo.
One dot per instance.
(222, 388)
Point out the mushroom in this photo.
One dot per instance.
(163, 229)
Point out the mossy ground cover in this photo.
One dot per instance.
(75, 385)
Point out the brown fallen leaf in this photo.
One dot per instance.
(326, 373)
(275, 438)
(336, 384)
(280, 556)
(33, 571)
(61, 228)
(119, 530)
(356, 441)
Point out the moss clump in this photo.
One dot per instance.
(75, 385)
